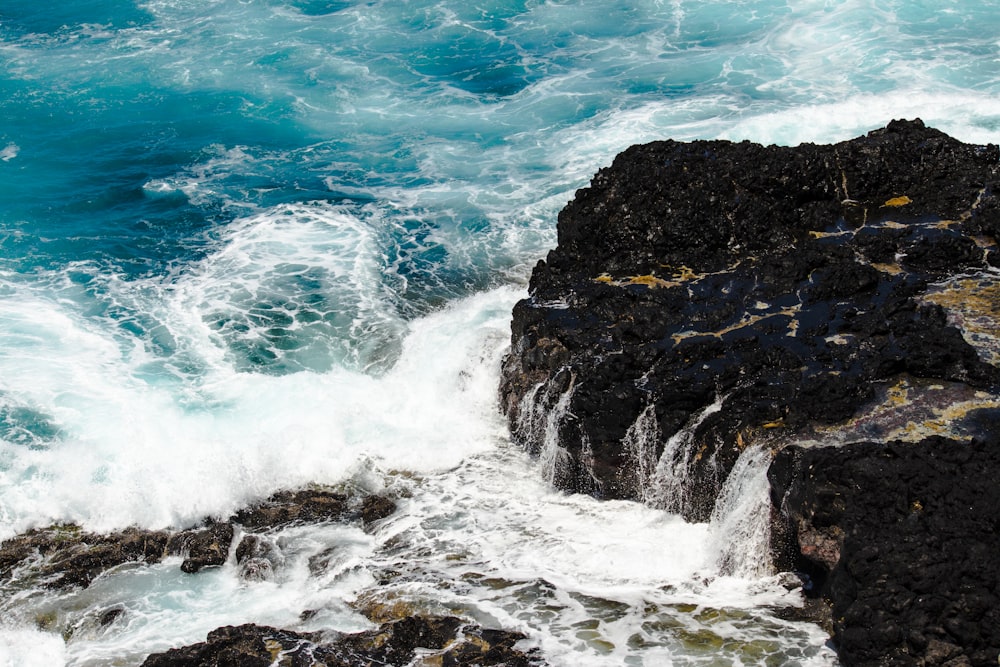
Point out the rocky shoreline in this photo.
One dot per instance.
(837, 305)
(65, 557)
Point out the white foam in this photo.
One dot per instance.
(31, 648)
(129, 453)
(967, 116)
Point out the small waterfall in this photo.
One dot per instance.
(741, 521)
(539, 417)
(667, 486)
(641, 442)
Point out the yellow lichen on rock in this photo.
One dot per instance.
(891, 269)
(680, 275)
(912, 410)
(896, 202)
(685, 273)
(649, 281)
(973, 305)
(275, 648)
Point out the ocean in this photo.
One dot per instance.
(250, 245)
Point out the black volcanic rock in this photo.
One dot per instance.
(205, 547)
(731, 292)
(314, 505)
(65, 556)
(903, 539)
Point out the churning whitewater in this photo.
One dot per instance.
(248, 246)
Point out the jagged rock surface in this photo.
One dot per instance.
(903, 539)
(729, 291)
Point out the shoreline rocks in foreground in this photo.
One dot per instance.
(445, 641)
(64, 557)
(709, 298)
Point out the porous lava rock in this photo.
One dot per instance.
(903, 540)
(445, 640)
(705, 295)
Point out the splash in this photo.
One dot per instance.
(641, 443)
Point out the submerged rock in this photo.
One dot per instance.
(707, 295)
(258, 557)
(419, 640)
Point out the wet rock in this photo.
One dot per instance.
(291, 507)
(717, 294)
(313, 505)
(911, 532)
(64, 556)
(258, 557)
(375, 508)
(436, 640)
(320, 563)
(206, 547)
(244, 645)
(109, 616)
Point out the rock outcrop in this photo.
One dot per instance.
(837, 305)
(66, 556)
(446, 641)
(902, 538)
(705, 295)
(63, 556)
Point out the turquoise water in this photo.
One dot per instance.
(247, 245)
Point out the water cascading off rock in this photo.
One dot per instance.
(783, 285)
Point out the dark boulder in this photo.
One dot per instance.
(314, 505)
(208, 546)
(705, 295)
